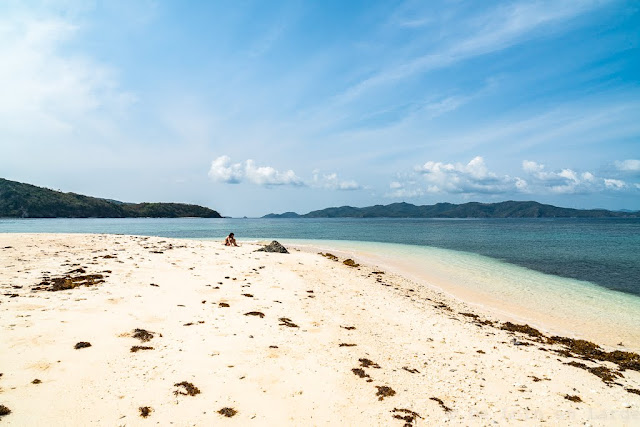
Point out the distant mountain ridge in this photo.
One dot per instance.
(509, 209)
(19, 200)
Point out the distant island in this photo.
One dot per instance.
(510, 209)
(19, 200)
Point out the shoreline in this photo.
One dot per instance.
(279, 339)
(577, 320)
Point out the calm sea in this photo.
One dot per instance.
(605, 252)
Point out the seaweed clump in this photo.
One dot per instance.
(227, 412)
(82, 344)
(360, 372)
(523, 329)
(145, 411)
(330, 256)
(351, 263)
(407, 416)
(441, 403)
(188, 389)
(573, 398)
(365, 363)
(136, 348)
(4, 410)
(142, 334)
(287, 322)
(255, 313)
(384, 391)
(590, 351)
(70, 282)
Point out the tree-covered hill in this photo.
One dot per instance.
(510, 209)
(19, 200)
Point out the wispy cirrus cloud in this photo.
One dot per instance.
(42, 83)
(494, 30)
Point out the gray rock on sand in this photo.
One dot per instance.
(273, 247)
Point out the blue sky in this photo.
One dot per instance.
(257, 107)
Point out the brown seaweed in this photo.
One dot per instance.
(255, 313)
(441, 403)
(142, 334)
(145, 411)
(350, 263)
(136, 348)
(366, 363)
(188, 389)
(82, 344)
(227, 412)
(384, 391)
(408, 416)
(287, 322)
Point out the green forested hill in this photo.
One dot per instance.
(18, 200)
(510, 209)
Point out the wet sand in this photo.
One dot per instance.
(148, 330)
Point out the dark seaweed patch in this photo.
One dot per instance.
(348, 328)
(350, 263)
(187, 389)
(473, 316)
(223, 305)
(384, 391)
(82, 344)
(441, 403)
(330, 256)
(366, 363)
(360, 372)
(70, 282)
(137, 348)
(413, 371)
(4, 410)
(145, 411)
(573, 398)
(633, 390)
(405, 415)
(344, 344)
(287, 322)
(227, 412)
(255, 313)
(142, 334)
(523, 329)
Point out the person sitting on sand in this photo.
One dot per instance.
(230, 240)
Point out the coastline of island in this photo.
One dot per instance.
(196, 332)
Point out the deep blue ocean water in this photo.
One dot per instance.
(602, 251)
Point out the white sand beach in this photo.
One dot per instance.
(186, 332)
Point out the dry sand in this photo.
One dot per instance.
(276, 339)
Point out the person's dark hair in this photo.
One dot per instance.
(231, 234)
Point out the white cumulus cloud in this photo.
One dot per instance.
(630, 165)
(614, 183)
(471, 178)
(333, 182)
(566, 181)
(223, 170)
